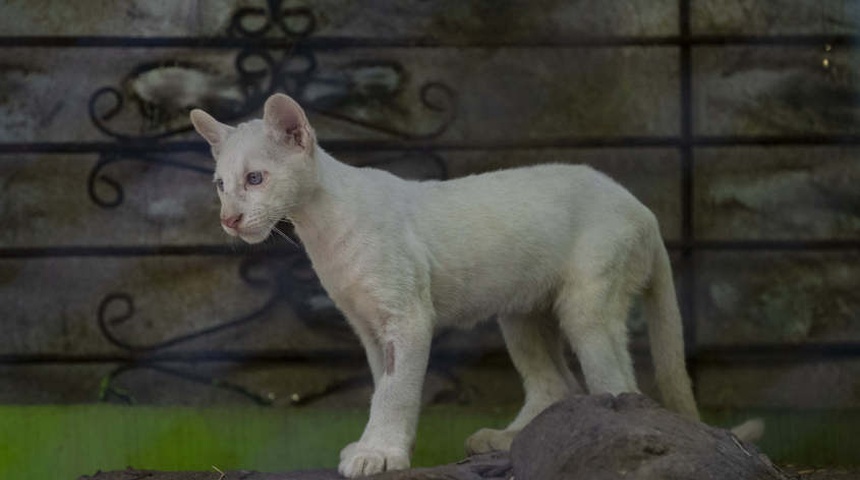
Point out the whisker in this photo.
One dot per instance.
(279, 232)
(259, 216)
(285, 236)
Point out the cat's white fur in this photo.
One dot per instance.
(555, 252)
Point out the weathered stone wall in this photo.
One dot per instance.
(524, 92)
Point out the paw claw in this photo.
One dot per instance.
(347, 450)
(359, 460)
(489, 440)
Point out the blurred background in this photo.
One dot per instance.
(136, 333)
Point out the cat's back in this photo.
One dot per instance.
(498, 238)
(553, 182)
(549, 197)
(542, 173)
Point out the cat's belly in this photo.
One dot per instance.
(464, 298)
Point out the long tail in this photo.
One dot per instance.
(750, 431)
(665, 331)
(666, 336)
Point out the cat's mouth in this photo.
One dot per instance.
(253, 235)
(249, 235)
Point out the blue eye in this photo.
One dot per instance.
(254, 178)
(219, 184)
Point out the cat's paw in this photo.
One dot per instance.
(359, 460)
(489, 440)
(347, 450)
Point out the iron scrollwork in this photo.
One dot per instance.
(294, 22)
(158, 96)
(117, 195)
(286, 279)
(291, 280)
(365, 85)
(165, 91)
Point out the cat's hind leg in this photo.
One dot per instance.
(592, 310)
(536, 350)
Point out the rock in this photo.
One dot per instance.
(489, 466)
(595, 437)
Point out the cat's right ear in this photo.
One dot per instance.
(212, 130)
(287, 123)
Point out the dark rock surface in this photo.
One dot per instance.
(630, 437)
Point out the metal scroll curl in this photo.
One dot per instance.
(157, 95)
(151, 104)
(164, 92)
(366, 93)
(107, 192)
(288, 279)
(109, 391)
(293, 22)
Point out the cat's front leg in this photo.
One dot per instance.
(372, 349)
(387, 440)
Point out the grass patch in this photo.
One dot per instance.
(815, 438)
(38, 442)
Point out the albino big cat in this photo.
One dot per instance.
(556, 253)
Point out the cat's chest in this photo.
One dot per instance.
(340, 273)
(350, 273)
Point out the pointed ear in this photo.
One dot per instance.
(286, 122)
(212, 130)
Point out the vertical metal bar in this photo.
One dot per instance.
(688, 263)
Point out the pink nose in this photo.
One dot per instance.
(231, 222)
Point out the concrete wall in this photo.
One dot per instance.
(524, 92)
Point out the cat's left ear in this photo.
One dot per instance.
(212, 130)
(286, 122)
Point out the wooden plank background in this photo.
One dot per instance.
(523, 92)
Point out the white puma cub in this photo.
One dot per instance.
(553, 251)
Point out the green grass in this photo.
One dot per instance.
(812, 438)
(40, 442)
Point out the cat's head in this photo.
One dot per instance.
(264, 168)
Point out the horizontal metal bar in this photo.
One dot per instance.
(102, 147)
(319, 357)
(319, 43)
(284, 249)
(727, 354)
(339, 145)
(441, 146)
(239, 249)
(339, 42)
(774, 140)
(814, 40)
(740, 354)
(764, 245)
